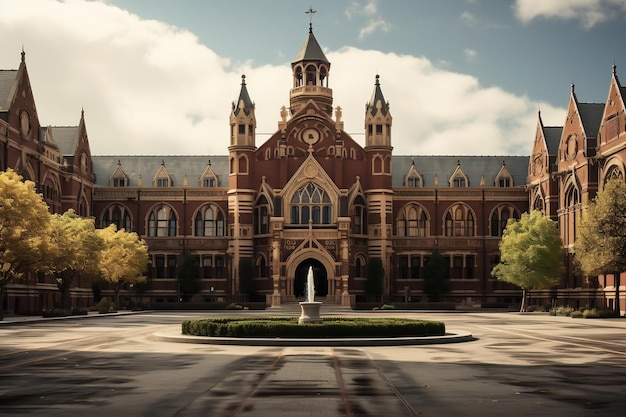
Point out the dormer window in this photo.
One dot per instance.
(504, 178)
(162, 179)
(119, 177)
(459, 182)
(413, 179)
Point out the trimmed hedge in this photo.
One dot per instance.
(330, 327)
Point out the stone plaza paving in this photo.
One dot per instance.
(126, 365)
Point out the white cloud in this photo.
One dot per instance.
(470, 54)
(370, 11)
(588, 12)
(150, 88)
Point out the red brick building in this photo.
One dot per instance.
(311, 196)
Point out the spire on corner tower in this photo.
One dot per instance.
(242, 119)
(377, 119)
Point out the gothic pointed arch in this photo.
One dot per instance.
(162, 221)
(209, 221)
(413, 220)
(117, 214)
(459, 220)
(499, 218)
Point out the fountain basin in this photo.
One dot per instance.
(310, 312)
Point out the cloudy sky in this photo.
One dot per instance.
(463, 77)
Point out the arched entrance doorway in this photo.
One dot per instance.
(319, 274)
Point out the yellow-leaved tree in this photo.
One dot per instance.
(124, 258)
(24, 228)
(74, 250)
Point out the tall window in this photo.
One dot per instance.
(261, 216)
(359, 217)
(209, 222)
(312, 203)
(162, 221)
(118, 215)
(459, 221)
(500, 217)
(412, 221)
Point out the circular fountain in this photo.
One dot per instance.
(310, 308)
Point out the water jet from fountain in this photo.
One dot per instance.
(310, 308)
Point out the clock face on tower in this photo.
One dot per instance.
(310, 136)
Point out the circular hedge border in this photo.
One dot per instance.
(288, 327)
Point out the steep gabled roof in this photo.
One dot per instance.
(591, 117)
(552, 134)
(66, 138)
(8, 78)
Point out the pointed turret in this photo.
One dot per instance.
(242, 119)
(377, 119)
(310, 76)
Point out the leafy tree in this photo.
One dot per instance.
(24, 227)
(531, 254)
(189, 276)
(74, 249)
(601, 235)
(246, 281)
(124, 258)
(375, 277)
(436, 277)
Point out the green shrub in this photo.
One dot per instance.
(233, 306)
(56, 312)
(329, 328)
(77, 311)
(577, 314)
(561, 311)
(106, 306)
(388, 307)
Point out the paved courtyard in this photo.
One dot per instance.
(518, 365)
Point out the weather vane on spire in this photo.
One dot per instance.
(310, 13)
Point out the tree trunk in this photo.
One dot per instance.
(618, 308)
(522, 308)
(1, 302)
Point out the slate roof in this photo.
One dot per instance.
(474, 167)
(552, 135)
(591, 116)
(7, 80)
(177, 166)
(65, 137)
(311, 50)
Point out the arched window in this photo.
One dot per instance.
(261, 216)
(500, 218)
(261, 267)
(538, 204)
(613, 173)
(412, 221)
(359, 216)
(572, 212)
(459, 221)
(312, 203)
(209, 222)
(118, 215)
(162, 221)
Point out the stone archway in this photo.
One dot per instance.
(319, 274)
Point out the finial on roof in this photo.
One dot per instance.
(162, 162)
(243, 79)
(458, 162)
(614, 68)
(503, 163)
(119, 163)
(377, 79)
(209, 162)
(310, 13)
(413, 161)
(23, 55)
(573, 87)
